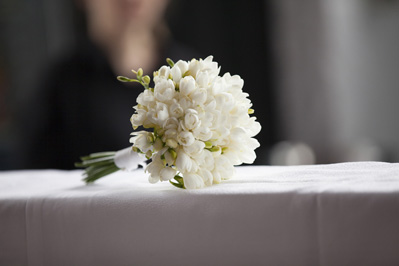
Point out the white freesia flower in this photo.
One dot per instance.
(191, 120)
(185, 138)
(223, 168)
(138, 118)
(146, 98)
(195, 149)
(203, 78)
(206, 175)
(154, 168)
(182, 65)
(199, 96)
(159, 115)
(201, 121)
(158, 145)
(192, 181)
(142, 140)
(187, 85)
(164, 90)
(206, 160)
(210, 66)
(162, 73)
(175, 110)
(178, 70)
(203, 133)
(167, 173)
(184, 162)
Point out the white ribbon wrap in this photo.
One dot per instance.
(128, 160)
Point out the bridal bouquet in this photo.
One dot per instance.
(197, 127)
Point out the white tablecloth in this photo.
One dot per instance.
(339, 214)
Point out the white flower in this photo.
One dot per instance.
(162, 73)
(158, 145)
(183, 162)
(142, 140)
(175, 109)
(167, 173)
(203, 79)
(154, 168)
(225, 101)
(182, 65)
(186, 102)
(252, 127)
(199, 96)
(138, 118)
(195, 149)
(159, 115)
(169, 158)
(164, 90)
(207, 160)
(191, 120)
(146, 98)
(223, 169)
(185, 138)
(192, 181)
(206, 175)
(236, 83)
(210, 66)
(203, 133)
(178, 70)
(187, 85)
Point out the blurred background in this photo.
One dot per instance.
(323, 76)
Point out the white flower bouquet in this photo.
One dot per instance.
(197, 127)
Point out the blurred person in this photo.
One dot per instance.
(81, 107)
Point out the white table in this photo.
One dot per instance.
(339, 214)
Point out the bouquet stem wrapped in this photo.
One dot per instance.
(98, 165)
(197, 127)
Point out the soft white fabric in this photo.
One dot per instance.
(339, 214)
(128, 160)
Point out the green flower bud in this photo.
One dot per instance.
(172, 143)
(208, 144)
(148, 155)
(146, 79)
(214, 149)
(158, 144)
(140, 73)
(135, 149)
(150, 138)
(170, 62)
(173, 153)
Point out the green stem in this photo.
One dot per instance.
(97, 165)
